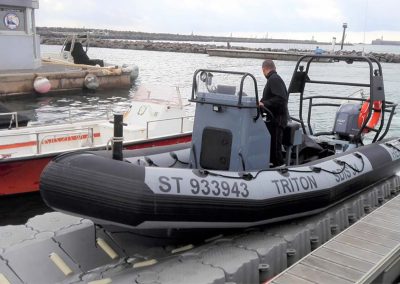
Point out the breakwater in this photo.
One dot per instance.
(201, 48)
(49, 32)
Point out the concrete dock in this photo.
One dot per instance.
(62, 77)
(237, 53)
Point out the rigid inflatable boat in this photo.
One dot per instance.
(223, 178)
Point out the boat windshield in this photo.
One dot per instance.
(158, 94)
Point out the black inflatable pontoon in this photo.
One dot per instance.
(223, 178)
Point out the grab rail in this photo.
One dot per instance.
(389, 107)
(14, 116)
(66, 137)
(39, 138)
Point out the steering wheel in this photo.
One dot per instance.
(206, 77)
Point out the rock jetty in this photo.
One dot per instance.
(199, 48)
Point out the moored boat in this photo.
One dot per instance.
(74, 52)
(224, 178)
(154, 118)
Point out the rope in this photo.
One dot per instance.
(249, 176)
(117, 139)
(151, 163)
(392, 146)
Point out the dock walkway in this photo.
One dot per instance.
(368, 251)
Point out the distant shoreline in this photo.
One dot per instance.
(198, 48)
(49, 32)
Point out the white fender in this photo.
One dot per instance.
(91, 82)
(41, 85)
(132, 69)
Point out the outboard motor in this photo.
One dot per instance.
(228, 133)
(346, 121)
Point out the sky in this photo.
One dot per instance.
(293, 19)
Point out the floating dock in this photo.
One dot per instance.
(368, 251)
(62, 77)
(54, 247)
(237, 53)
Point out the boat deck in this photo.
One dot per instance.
(45, 68)
(367, 251)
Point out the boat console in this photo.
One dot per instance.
(228, 131)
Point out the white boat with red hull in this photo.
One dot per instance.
(154, 118)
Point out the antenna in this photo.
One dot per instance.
(365, 24)
(343, 35)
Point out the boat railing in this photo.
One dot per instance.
(14, 118)
(375, 85)
(72, 135)
(54, 136)
(181, 120)
(388, 107)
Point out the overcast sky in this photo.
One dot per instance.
(296, 19)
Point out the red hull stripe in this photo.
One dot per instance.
(47, 141)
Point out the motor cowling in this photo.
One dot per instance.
(346, 120)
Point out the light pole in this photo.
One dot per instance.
(344, 32)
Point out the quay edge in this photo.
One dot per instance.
(62, 78)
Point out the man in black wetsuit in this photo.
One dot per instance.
(275, 98)
(80, 57)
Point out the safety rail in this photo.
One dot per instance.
(85, 133)
(389, 107)
(181, 119)
(206, 74)
(40, 139)
(14, 118)
(300, 79)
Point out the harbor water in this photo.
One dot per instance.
(176, 69)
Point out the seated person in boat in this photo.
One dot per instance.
(80, 56)
(275, 98)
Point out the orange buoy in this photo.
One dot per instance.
(375, 116)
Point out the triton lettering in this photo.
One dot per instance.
(294, 184)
